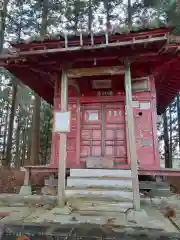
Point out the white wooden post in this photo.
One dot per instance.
(131, 137)
(62, 145)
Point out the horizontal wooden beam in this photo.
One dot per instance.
(96, 71)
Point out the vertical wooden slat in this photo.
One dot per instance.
(78, 133)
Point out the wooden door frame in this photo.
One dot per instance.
(102, 104)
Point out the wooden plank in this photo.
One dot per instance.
(131, 141)
(95, 182)
(96, 71)
(62, 143)
(100, 173)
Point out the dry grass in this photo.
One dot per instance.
(12, 179)
(175, 182)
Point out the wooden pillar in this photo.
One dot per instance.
(63, 143)
(131, 137)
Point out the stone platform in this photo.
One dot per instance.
(42, 210)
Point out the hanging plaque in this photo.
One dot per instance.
(62, 122)
(101, 84)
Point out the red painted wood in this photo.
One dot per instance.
(145, 129)
(154, 122)
(78, 134)
(105, 136)
(72, 144)
(167, 85)
(90, 131)
(145, 60)
(115, 133)
(99, 129)
(151, 172)
(71, 136)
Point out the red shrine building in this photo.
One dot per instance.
(114, 87)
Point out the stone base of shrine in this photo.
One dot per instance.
(25, 190)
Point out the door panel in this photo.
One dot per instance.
(90, 131)
(71, 136)
(103, 132)
(114, 133)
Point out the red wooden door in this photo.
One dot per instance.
(90, 131)
(115, 133)
(103, 132)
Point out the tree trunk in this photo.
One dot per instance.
(166, 142)
(3, 13)
(43, 30)
(90, 15)
(47, 142)
(35, 144)
(29, 145)
(170, 136)
(129, 14)
(178, 117)
(23, 151)
(5, 133)
(17, 155)
(107, 9)
(10, 125)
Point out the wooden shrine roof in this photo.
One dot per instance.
(37, 62)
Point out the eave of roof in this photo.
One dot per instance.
(20, 62)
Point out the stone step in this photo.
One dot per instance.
(88, 194)
(99, 173)
(99, 182)
(100, 206)
(153, 185)
(161, 193)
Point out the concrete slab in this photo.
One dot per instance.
(17, 199)
(77, 218)
(11, 209)
(25, 190)
(41, 214)
(66, 210)
(157, 220)
(100, 206)
(121, 195)
(35, 215)
(139, 217)
(17, 216)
